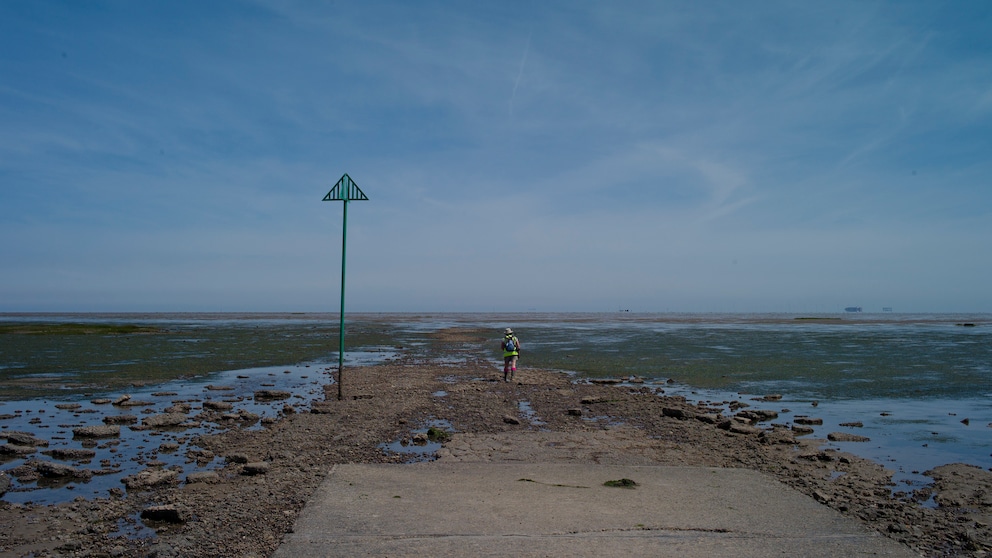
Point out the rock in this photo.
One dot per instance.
(204, 477)
(420, 438)
(4, 483)
(126, 401)
(67, 406)
(149, 478)
(120, 419)
(239, 458)
(107, 431)
(24, 439)
(70, 454)
(801, 430)
(770, 397)
(592, 400)
(168, 447)
(681, 414)
(212, 387)
(179, 407)
(846, 437)
(101, 401)
(17, 450)
(167, 513)
(605, 381)
(857, 424)
(271, 395)
(50, 469)
(256, 468)
(803, 419)
(740, 428)
(778, 436)
(758, 415)
(509, 419)
(218, 405)
(322, 407)
(575, 412)
(709, 418)
(164, 419)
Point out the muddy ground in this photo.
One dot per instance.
(246, 507)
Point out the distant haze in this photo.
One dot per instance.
(552, 156)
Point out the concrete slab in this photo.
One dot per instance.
(543, 509)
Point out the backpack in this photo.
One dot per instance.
(510, 345)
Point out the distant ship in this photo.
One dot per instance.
(853, 309)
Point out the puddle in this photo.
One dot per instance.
(419, 448)
(136, 448)
(528, 412)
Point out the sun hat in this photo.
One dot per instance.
(507, 331)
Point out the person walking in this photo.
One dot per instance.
(511, 350)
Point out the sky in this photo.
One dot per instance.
(560, 155)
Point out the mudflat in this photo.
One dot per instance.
(250, 504)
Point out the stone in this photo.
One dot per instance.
(777, 436)
(218, 405)
(758, 415)
(5, 483)
(167, 513)
(271, 394)
(149, 478)
(681, 414)
(67, 406)
(239, 458)
(575, 412)
(799, 430)
(126, 401)
(256, 468)
(164, 419)
(120, 419)
(203, 477)
(51, 469)
(24, 439)
(106, 431)
(70, 454)
(846, 437)
(17, 449)
(803, 419)
(857, 424)
(709, 418)
(322, 407)
(509, 419)
(741, 428)
(770, 397)
(592, 400)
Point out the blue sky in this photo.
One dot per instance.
(551, 156)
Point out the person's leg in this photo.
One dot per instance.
(506, 368)
(513, 366)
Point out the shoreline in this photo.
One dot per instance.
(247, 505)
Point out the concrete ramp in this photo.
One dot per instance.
(499, 509)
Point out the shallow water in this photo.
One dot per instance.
(130, 452)
(911, 379)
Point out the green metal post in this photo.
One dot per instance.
(345, 190)
(344, 245)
